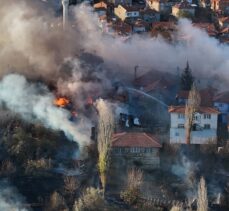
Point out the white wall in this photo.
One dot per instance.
(177, 135)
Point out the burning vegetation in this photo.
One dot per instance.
(84, 128)
(62, 102)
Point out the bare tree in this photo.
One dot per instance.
(56, 202)
(91, 199)
(202, 199)
(105, 132)
(132, 193)
(191, 108)
(135, 178)
(70, 184)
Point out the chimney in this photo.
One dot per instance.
(65, 4)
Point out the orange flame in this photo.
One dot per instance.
(61, 102)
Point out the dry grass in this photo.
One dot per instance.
(92, 199)
(41, 164)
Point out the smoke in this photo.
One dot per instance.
(206, 56)
(10, 200)
(32, 41)
(186, 170)
(35, 103)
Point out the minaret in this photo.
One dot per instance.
(65, 4)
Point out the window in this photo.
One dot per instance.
(180, 126)
(176, 134)
(207, 126)
(181, 116)
(207, 116)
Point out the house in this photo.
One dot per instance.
(164, 29)
(183, 9)
(208, 27)
(223, 22)
(221, 102)
(126, 12)
(224, 35)
(149, 15)
(161, 85)
(206, 95)
(122, 2)
(121, 28)
(204, 129)
(221, 6)
(100, 8)
(140, 26)
(136, 148)
(162, 6)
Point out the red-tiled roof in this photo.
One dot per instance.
(153, 76)
(205, 110)
(100, 5)
(134, 139)
(222, 97)
(208, 27)
(224, 19)
(206, 96)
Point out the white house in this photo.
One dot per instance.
(126, 12)
(204, 129)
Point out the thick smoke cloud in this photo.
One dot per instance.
(34, 102)
(206, 56)
(32, 41)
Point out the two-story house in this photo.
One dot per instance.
(126, 12)
(136, 148)
(204, 129)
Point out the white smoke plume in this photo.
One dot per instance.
(35, 102)
(205, 54)
(32, 41)
(10, 200)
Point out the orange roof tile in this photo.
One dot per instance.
(134, 139)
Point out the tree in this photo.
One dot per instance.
(56, 202)
(202, 199)
(186, 78)
(105, 132)
(132, 193)
(176, 208)
(70, 184)
(191, 108)
(92, 199)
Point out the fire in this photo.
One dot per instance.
(61, 102)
